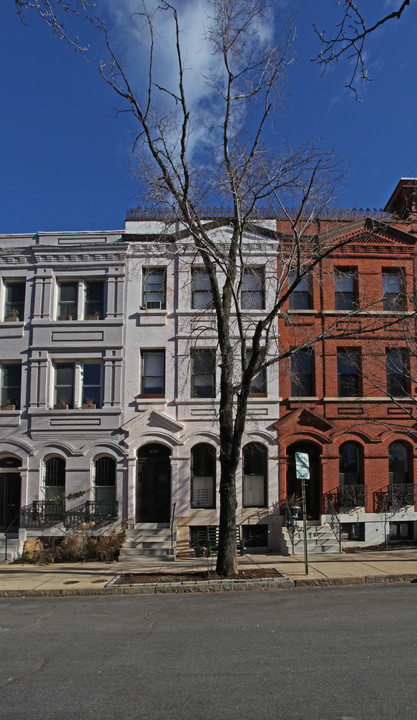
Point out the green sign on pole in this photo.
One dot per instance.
(302, 471)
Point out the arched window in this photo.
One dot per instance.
(105, 480)
(350, 464)
(399, 463)
(254, 475)
(203, 476)
(54, 487)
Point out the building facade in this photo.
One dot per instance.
(348, 401)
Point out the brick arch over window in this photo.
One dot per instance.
(400, 463)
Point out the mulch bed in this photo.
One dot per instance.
(194, 576)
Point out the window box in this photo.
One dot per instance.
(8, 407)
(13, 317)
(64, 317)
(89, 405)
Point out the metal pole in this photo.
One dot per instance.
(304, 502)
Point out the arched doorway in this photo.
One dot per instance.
(10, 485)
(153, 487)
(312, 485)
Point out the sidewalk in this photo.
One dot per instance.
(92, 578)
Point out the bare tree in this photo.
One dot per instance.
(56, 14)
(349, 39)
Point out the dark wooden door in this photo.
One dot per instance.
(9, 501)
(312, 485)
(153, 485)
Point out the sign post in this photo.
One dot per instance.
(302, 469)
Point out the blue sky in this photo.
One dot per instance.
(65, 156)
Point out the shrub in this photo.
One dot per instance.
(82, 543)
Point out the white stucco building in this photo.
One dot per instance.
(109, 379)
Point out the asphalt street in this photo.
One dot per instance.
(308, 654)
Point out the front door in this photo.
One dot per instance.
(312, 485)
(9, 501)
(153, 484)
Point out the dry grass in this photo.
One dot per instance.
(82, 544)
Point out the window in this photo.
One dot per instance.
(153, 372)
(203, 374)
(393, 290)
(14, 302)
(54, 488)
(302, 381)
(203, 476)
(94, 300)
(78, 385)
(398, 380)
(254, 475)
(352, 531)
(258, 385)
(345, 289)
(301, 297)
(252, 294)
(11, 378)
(202, 297)
(348, 373)
(401, 531)
(399, 462)
(67, 300)
(350, 462)
(154, 281)
(105, 480)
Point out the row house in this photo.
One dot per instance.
(109, 383)
(348, 400)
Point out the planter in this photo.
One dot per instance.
(89, 406)
(64, 317)
(8, 407)
(11, 318)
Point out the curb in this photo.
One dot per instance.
(284, 583)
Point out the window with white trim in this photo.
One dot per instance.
(153, 372)
(54, 487)
(203, 476)
(154, 289)
(77, 385)
(80, 300)
(10, 383)
(202, 298)
(105, 480)
(254, 475)
(253, 288)
(14, 299)
(203, 379)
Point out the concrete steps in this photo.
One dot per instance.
(320, 540)
(151, 540)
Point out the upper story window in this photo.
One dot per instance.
(203, 376)
(14, 300)
(301, 298)
(154, 288)
(348, 373)
(258, 384)
(94, 300)
(398, 379)
(345, 296)
(393, 294)
(80, 300)
(78, 385)
(202, 297)
(253, 289)
(302, 380)
(153, 372)
(10, 385)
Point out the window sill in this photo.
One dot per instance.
(150, 396)
(306, 311)
(303, 398)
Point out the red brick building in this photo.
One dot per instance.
(349, 399)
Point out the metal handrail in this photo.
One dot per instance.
(334, 523)
(172, 527)
(290, 523)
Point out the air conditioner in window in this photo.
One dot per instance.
(153, 304)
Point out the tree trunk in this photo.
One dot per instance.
(227, 553)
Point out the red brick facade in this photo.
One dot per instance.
(343, 392)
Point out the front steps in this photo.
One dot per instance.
(148, 540)
(320, 540)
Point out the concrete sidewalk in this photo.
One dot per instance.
(92, 578)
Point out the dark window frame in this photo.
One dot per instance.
(302, 383)
(398, 383)
(249, 464)
(349, 384)
(147, 391)
(154, 293)
(14, 299)
(11, 390)
(197, 388)
(198, 465)
(302, 296)
(393, 301)
(252, 297)
(201, 297)
(345, 299)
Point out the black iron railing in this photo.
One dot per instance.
(352, 496)
(45, 513)
(394, 497)
(334, 522)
